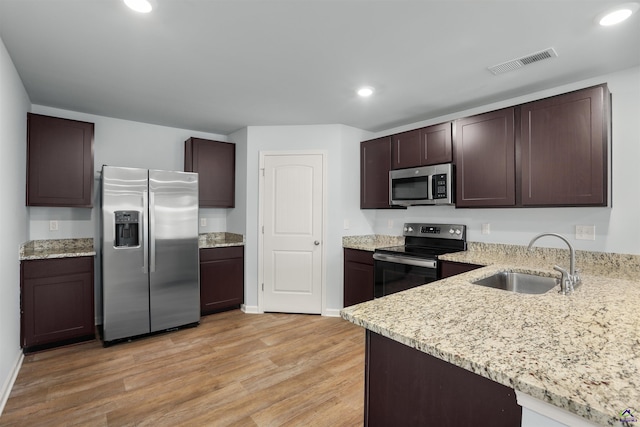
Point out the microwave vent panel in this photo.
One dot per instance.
(514, 64)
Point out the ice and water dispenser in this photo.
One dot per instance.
(127, 228)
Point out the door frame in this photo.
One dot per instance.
(323, 285)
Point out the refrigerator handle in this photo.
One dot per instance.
(145, 232)
(152, 232)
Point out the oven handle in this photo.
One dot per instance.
(427, 263)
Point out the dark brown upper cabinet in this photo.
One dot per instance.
(563, 146)
(215, 163)
(435, 144)
(485, 160)
(59, 162)
(405, 150)
(421, 147)
(375, 163)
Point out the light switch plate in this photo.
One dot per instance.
(53, 225)
(486, 228)
(585, 232)
(203, 222)
(346, 224)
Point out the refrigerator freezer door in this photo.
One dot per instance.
(174, 286)
(125, 281)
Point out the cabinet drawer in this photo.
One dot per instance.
(357, 255)
(214, 254)
(32, 269)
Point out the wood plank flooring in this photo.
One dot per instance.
(234, 369)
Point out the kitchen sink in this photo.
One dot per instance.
(521, 283)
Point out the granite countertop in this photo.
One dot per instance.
(56, 248)
(371, 242)
(579, 352)
(65, 248)
(219, 240)
(610, 265)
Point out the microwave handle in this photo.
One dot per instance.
(430, 184)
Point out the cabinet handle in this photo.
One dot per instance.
(316, 243)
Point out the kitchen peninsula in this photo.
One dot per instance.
(579, 353)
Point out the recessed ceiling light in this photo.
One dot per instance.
(365, 91)
(618, 14)
(142, 6)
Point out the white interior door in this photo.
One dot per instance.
(292, 217)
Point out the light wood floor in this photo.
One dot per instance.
(234, 369)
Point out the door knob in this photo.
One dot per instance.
(316, 243)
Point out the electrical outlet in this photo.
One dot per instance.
(203, 222)
(346, 224)
(486, 228)
(585, 232)
(390, 223)
(53, 225)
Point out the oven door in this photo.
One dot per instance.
(397, 273)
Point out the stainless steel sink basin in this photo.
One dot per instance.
(521, 283)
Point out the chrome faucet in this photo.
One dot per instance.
(570, 279)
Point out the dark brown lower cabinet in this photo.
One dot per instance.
(358, 276)
(451, 268)
(56, 302)
(221, 279)
(405, 387)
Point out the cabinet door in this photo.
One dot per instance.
(406, 387)
(405, 150)
(485, 160)
(57, 301)
(435, 145)
(358, 277)
(59, 162)
(450, 268)
(375, 163)
(564, 149)
(215, 163)
(221, 278)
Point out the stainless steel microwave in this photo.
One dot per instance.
(425, 185)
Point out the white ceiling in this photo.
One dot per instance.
(221, 65)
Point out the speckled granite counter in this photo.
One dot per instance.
(219, 240)
(56, 248)
(611, 265)
(579, 352)
(371, 242)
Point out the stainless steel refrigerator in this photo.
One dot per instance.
(149, 251)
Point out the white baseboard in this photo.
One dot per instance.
(250, 309)
(253, 309)
(8, 384)
(331, 312)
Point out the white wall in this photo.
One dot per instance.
(335, 140)
(237, 216)
(617, 227)
(357, 220)
(14, 105)
(119, 143)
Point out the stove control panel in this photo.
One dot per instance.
(441, 231)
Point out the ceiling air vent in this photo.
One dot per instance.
(514, 64)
